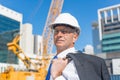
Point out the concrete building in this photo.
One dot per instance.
(27, 38)
(10, 23)
(109, 34)
(109, 28)
(30, 44)
(89, 50)
(37, 44)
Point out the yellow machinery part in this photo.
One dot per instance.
(21, 75)
(11, 74)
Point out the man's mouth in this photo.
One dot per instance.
(59, 40)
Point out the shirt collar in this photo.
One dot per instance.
(65, 52)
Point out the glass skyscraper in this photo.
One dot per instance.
(96, 40)
(10, 22)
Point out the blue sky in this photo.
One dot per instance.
(35, 12)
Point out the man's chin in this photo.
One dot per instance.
(60, 47)
(59, 44)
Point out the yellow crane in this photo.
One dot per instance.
(39, 73)
(54, 11)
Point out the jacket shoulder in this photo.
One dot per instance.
(89, 57)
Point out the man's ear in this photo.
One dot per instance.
(75, 37)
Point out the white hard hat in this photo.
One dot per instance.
(66, 19)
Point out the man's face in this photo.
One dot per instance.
(64, 37)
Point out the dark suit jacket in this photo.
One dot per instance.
(90, 67)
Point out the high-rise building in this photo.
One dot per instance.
(27, 38)
(10, 22)
(96, 40)
(37, 44)
(109, 28)
(27, 42)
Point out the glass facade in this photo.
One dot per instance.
(111, 42)
(96, 40)
(111, 36)
(8, 29)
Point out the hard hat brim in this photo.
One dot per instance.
(52, 26)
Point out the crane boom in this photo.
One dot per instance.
(54, 11)
(15, 48)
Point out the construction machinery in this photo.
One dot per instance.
(34, 71)
(37, 73)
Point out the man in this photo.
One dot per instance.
(76, 66)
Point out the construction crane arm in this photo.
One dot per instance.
(15, 48)
(54, 11)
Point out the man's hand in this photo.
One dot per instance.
(58, 65)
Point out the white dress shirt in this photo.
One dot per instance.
(69, 73)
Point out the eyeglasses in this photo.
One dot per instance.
(64, 31)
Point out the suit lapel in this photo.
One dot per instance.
(80, 66)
